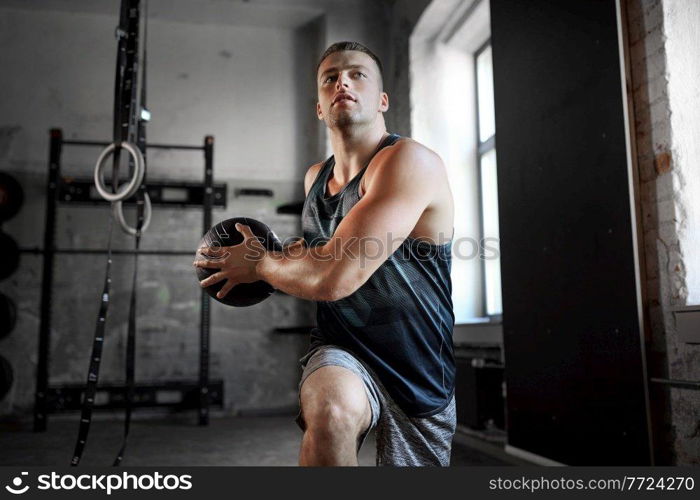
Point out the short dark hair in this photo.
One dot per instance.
(343, 46)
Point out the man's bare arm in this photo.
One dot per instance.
(400, 190)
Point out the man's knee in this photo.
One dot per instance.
(334, 402)
(332, 419)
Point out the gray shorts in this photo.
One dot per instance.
(401, 440)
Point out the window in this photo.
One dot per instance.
(449, 61)
(486, 150)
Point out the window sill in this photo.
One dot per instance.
(484, 331)
(481, 321)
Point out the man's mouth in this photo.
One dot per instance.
(343, 97)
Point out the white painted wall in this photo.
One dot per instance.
(682, 23)
(241, 71)
(237, 83)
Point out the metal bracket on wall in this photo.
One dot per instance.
(269, 193)
(178, 194)
(293, 330)
(181, 395)
(681, 384)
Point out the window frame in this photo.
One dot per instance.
(483, 147)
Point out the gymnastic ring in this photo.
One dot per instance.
(118, 211)
(123, 192)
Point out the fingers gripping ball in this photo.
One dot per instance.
(225, 234)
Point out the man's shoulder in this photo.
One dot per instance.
(311, 174)
(406, 151)
(313, 170)
(405, 156)
(410, 144)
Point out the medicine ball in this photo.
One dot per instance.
(8, 315)
(11, 196)
(6, 377)
(225, 234)
(10, 256)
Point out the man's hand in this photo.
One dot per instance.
(237, 263)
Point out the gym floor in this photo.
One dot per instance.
(227, 441)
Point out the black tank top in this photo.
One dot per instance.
(400, 321)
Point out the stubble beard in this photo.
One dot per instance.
(346, 119)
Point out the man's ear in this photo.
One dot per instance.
(383, 102)
(319, 113)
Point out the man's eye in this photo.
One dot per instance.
(328, 79)
(359, 73)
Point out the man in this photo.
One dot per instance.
(377, 224)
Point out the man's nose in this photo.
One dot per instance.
(342, 81)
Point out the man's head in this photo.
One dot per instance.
(345, 46)
(349, 81)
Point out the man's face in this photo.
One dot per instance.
(349, 90)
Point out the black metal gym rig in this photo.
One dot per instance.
(130, 117)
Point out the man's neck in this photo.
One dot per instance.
(353, 149)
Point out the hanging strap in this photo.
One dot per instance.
(125, 122)
(130, 347)
(95, 357)
(140, 220)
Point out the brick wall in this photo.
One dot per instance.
(674, 411)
